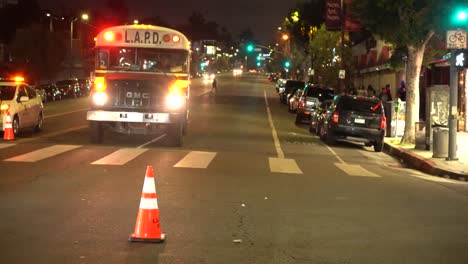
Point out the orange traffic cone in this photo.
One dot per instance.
(8, 133)
(147, 227)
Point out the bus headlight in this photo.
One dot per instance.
(175, 101)
(100, 98)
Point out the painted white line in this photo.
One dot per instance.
(6, 145)
(120, 157)
(283, 165)
(66, 113)
(152, 141)
(44, 153)
(355, 170)
(334, 153)
(279, 151)
(196, 159)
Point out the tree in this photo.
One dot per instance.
(324, 49)
(410, 24)
(300, 24)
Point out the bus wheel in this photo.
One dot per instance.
(96, 131)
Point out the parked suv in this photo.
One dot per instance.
(353, 118)
(310, 100)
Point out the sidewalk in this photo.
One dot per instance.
(422, 159)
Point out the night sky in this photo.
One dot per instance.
(262, 16)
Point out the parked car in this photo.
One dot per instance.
(85, 86)
(51, 91)
(353, 118)
(69, 88)
(280, 85)
(290, 87)
(294, 100)
(317, 115)
(41, 93)
(23, 103)
(312, 97)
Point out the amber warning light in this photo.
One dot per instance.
(18, 79)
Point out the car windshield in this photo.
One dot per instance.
(361, 105)
(320, 93)
(7, 92)
(143, 60)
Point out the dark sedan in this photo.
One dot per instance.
(69, 88)
(51, 91)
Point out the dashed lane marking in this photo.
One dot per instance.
(43, 153)
(355, 170)
(282, 165)
(120, 157)
(196, 159)
(6, 145)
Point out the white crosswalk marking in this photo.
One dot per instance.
(43, 153)
(284, 166)
(120, 157)
(196, 159)
(6, 145)
(355, 170)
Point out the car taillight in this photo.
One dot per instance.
(383, 122)
(335, 117)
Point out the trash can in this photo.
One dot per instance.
(440, 141)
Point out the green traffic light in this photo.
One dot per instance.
(259, 64)
(250, 48)
(462, 15)
(287, 64)
(258, 58)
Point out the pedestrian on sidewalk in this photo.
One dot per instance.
(402, 91)
(385, 95)
(370, 91)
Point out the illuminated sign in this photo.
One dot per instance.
(460, 58)
(210, 50)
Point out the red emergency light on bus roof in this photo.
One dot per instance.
(111, 36)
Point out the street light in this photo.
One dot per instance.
(285, 37)
(50, 16)
(83, 17)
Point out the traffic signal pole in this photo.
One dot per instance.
(453, 110)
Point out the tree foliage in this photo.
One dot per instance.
(407, 24)
(325, 51)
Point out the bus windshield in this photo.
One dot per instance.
(142, 60)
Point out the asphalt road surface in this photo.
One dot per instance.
(248, 186)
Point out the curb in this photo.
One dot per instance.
(427, 166)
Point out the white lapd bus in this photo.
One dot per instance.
(141, 82)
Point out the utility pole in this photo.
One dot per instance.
(453, 109)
